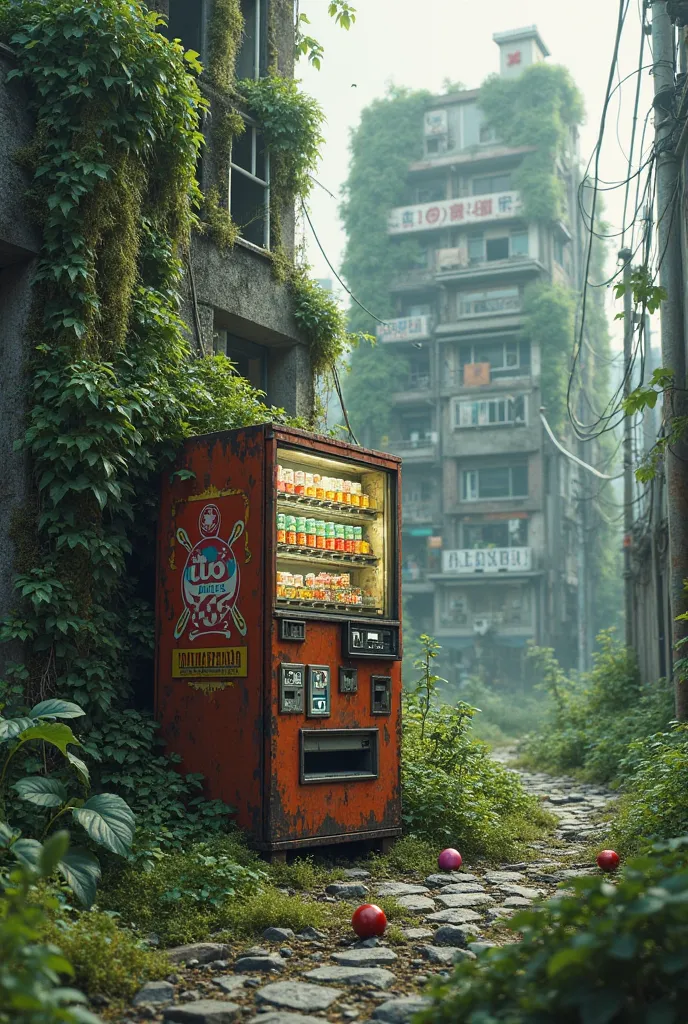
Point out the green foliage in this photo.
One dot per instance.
(322, 320)
(291, 122)
(453, 793)
(548, 321)
(611, 953)
(107, 959)
(32, 968)
(388, 137)
(188, 894)
(114, 389)
(506, 712)
(594, 720)
(224, 38)
(105, 817)
(644, 292)
(538, 108)
(306, 46)
(655, 805)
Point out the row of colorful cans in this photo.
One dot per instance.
(317, 533)
(324, 587)
(313, 485)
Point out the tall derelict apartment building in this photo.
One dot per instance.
(489, 516)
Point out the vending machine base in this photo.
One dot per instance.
(278, 655)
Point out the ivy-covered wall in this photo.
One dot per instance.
(115, 379)
(382, 146)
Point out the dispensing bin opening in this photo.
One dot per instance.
(333, 754)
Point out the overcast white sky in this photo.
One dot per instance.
(419, 43)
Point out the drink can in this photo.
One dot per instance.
(299, 482)
(329, 488)
(301, 530)
(280, 479)
(310, 485)
(365, 500)
(310, 533)
(349, 539)
(288, 475)
(281, 528)
(318, 485)
(290, 524)
(355, 493)
(320, 533)
(339, 537)
(358, 538)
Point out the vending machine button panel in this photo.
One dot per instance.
(348, 680)
(319, 691)
(371, 641)
(293, 629)
(292, 679)
(381, 695)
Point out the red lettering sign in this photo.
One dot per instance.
(432, 215)
(456, 211)
(513, 58)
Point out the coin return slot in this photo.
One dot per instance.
(330, 755)
(382, 695)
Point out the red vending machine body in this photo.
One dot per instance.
(278, 668)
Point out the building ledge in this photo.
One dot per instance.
(502, 268)
(477, 154)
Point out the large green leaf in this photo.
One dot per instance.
(55, 708)
(41, 791)
(81, 871)
(109, 820)
(54, 849)
(51, 732)
(11, 727)
(7, 834)
(81, 767)
(27, 852)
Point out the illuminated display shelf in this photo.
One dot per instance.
(330, 606)
(295, 553)
(343, 512)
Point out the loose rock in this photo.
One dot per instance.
(451, 935)
(400, 1011)
(470, 899)
(400, 889)
(154, 993)
(270, 964)
(348, 890)
(365, 957)
(447, 878)
(281, 1017)
(278, 934)
(298, 995)
(229, 983)
(205, 1011)
(201, 952)
(356, 873)
(445, 955)
(372, 977)
(454, 916)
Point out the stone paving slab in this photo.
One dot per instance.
(463, 902)
(298, 995)
(373, 977)
(203, 1011)
(400, 1011)
(365, 957)
(454, 916)
(416, 904)
(396, 889)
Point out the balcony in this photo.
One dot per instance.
(478, 561)
(418, 388)
(500, 378)
(408, 328)
(454, 265)
(413, 279)
(446, 213)
(416, 450)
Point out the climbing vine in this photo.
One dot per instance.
(113, 159)
(382, 146)
(538, 108)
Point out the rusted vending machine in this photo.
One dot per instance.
(278, 672)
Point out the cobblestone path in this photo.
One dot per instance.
(315, 977)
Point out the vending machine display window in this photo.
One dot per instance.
(334, 536)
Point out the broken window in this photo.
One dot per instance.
(249, 186)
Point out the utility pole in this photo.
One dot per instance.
(626, 255)
(669, 217)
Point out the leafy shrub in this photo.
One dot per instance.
(30, 967)
(453, 793)
(185, 894)
(656, 802)
(107, 959)
(305, 873)
(105, 817)
(594, 720)
(171, 809)
(610, 954)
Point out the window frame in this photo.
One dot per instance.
(252, 127)
(476, 406)
(470, 483)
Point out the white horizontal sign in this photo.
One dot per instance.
(469, 560)
(408, 328)
(446, 212)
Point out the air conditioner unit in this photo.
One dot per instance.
(449, 259)
(481, 626)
